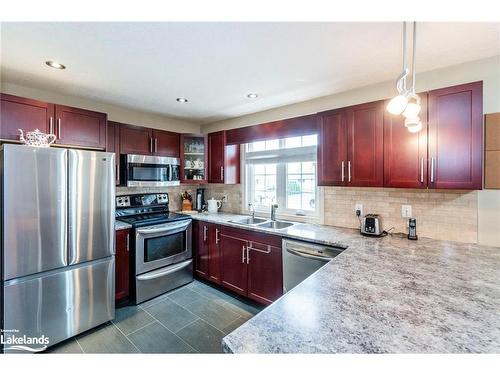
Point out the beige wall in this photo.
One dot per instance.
(487, 70)
(115, 113)
(483, 206)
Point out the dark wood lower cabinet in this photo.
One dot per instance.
(122, 264)
(265, 270)
(201, 246)
(243, 261)
(234, 266)
(214, 253)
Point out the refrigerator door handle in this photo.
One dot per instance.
(91, 213)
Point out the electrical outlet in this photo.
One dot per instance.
(406, 211)
(359, 207)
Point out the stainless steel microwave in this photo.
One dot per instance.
(146, 170)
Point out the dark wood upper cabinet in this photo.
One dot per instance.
(456, 137)
(332, 148)
(194, 158)
(113, 145)
(135, 140)
(405, 153)
(216, 157)
(80, 127)
(351, 142)
(26, 114)
(223, 160)
(365, 145)
(166, 143)
(122, 264)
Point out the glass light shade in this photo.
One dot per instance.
(412, 110)
(397, 104)
(414, 125)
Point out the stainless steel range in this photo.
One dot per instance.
(161, 245)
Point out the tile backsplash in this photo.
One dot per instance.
(441, 214)
(233, 204)
(174, 193)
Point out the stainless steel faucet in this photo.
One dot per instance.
(274, 207)
(252, 208)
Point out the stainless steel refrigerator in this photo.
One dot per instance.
(57, 242)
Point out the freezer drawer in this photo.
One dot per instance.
(61, 304)
(34, 209)
(91, 197)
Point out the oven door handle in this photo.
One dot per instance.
(164, 228)
(163, 272)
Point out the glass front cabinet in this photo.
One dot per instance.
(194, 158)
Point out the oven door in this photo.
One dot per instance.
(162, 245)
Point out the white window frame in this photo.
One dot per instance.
(282, 212)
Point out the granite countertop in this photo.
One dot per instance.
(381, 295)
(119, 225)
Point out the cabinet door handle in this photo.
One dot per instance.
(217, 236)
(222, 173)
(248, 255)
(51, 125)
(58, 128)
(342, 171)
(151, 145)
(243, 254)
(432, 169)
(128, 242)
(205, 233)
(349, 170)
(156, 144)
(422, 170)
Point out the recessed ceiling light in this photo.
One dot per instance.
(55, 64)
(252, 95)
(182, 100)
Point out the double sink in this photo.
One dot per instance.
(263, 223)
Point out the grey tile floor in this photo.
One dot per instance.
(190, 319)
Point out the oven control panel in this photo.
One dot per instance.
(162, 198)
(123, 201)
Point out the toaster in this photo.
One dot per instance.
(371, 224)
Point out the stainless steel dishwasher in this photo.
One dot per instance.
(301, 259)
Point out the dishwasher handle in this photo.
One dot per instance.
(307, 255)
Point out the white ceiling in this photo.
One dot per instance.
(215, 65)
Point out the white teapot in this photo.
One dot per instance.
(213, 205)
(36, 138)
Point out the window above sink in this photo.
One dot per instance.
(283, 172)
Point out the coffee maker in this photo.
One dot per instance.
(199, 202)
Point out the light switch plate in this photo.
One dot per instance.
(406, 211)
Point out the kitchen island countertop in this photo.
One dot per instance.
(381, 295)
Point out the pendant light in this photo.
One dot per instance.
(407, 102)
